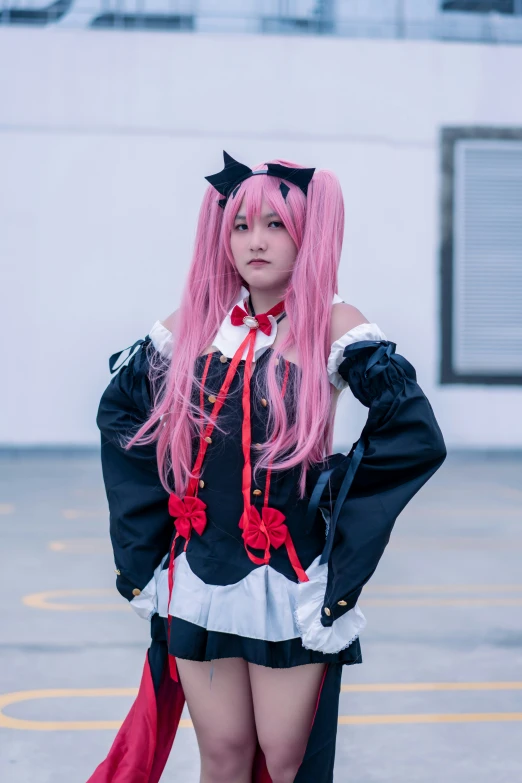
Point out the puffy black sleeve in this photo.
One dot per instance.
(400, 448)
(140, 524)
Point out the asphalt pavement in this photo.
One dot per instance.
(438, 696)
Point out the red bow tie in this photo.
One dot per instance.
(239, 314)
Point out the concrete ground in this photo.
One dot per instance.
(437, 698)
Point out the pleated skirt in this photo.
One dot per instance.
(195, 643)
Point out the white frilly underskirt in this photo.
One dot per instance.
(264, 605)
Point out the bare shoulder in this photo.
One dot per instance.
(345, 317)
(170, 321)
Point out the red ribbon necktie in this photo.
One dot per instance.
(240, 317)
(260, 531)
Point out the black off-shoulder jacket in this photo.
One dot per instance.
(361, 494)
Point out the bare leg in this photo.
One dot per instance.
(284, 705)
(222, 713)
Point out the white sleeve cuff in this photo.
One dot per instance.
(161, 339)
(314, 635)
(361, 332)
(145, 604)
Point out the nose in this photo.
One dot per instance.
(257, 239)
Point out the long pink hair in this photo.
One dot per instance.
(303, 432)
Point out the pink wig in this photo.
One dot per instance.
(300, 428)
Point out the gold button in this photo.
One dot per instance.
(327, 611)
(201, 483)
(117, 570)
(208, 439)
(223, 358)
(264, 402)
(342, 603)
(136, 591)
(257, 492)
(258, 445)
(211, 398)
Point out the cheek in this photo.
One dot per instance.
(288, 248)
(235, 243)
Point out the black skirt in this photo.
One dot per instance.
(195, 643)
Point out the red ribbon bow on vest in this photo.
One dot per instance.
(238, 314)
(190, 513)
(266, 530)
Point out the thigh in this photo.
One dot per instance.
(220, 707)
(284, 705)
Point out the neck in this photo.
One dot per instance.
(263, 299)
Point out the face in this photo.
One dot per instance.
(266, 239)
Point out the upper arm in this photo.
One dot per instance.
(348, 325)
(171, 320)
(344, 317)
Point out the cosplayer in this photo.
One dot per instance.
(236, 532)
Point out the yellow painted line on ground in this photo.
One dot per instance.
(59, 693)
(450, 511)
(47, 601)
(462, 717)
(50, 600)
(468, 544)
(466, 603)
(6, 508)
(402, 687)
(87, 545)
(445, 588)
(462, 601)
(22, 724)
(81, 545)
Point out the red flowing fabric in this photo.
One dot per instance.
(143, 743)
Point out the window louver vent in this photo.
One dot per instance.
(487, 258)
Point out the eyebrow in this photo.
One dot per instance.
(268, 215)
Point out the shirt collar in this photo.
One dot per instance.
(229, 337)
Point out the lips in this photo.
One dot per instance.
(258, 261)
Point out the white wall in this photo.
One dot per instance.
(105, 138)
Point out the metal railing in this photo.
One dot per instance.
(493, 21)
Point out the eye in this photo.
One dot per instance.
(277, 223)
(240, 226)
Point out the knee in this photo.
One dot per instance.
(224, 758)
(283, 760)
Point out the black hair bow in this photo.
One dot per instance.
(234, 173)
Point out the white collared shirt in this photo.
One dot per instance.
(229, 338)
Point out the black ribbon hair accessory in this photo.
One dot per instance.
(233, 174)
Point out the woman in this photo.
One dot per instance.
(236, 531)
